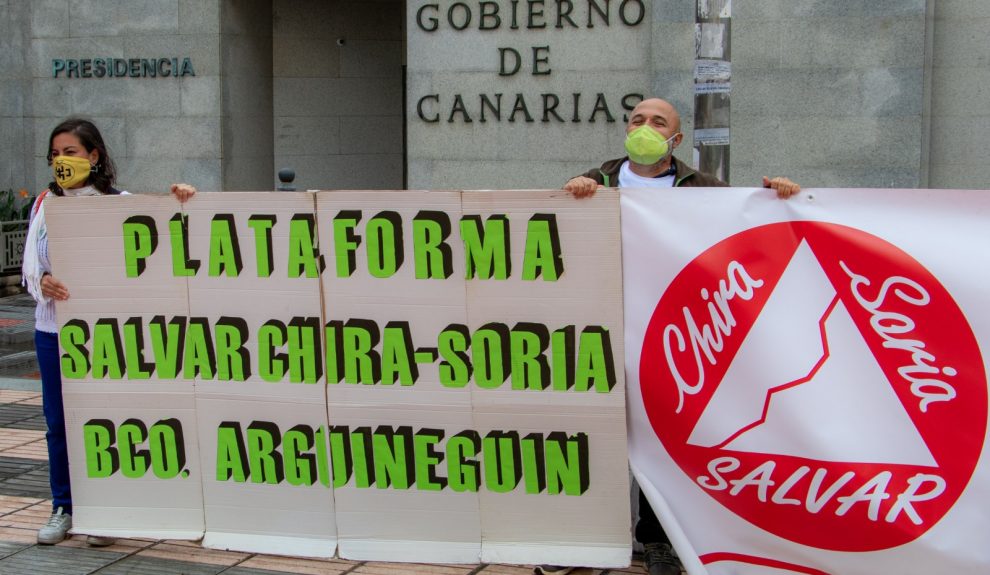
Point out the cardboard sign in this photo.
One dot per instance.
(409, 376)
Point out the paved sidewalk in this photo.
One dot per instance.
(25, 499)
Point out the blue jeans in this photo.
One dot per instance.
(46, 345)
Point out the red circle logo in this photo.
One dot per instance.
(818, 382)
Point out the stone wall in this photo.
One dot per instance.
(159, 130)
(960, 101)
(857, 93)
(587, 55)
(246, 70)
(16, 127)
(338, 92)
(828, 93)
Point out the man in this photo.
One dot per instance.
(653, 131)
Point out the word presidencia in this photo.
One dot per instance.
(122, 68)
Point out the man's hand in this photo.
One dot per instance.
(784, 187)
(581, 187)
(183, 192)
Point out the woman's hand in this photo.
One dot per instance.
(183, 192)
(53, 289)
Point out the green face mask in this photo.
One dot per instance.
(646, 146)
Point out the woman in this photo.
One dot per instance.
(82, 167)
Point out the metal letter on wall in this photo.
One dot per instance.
(712, 86)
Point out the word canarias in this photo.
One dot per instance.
(487, 246)
(357, 351)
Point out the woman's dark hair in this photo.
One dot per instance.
(104, 173)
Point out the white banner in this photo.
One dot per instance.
(807, 390)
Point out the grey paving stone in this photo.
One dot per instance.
(250, 571)
(137, 565)
(52, 560)
(23, 363)
(14, 466)
(20, 416)
(33, 483)
(7, 548)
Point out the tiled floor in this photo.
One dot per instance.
(24, 507)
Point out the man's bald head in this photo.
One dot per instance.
(656, 113)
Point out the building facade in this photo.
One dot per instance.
(430, 94)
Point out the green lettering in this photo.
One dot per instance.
(345, 242)
(464, 471)
(334, 351)
(322, 463)
(271, 365)
(233, 361)
(340, 455)
(108, 351)
(427, 458)
(231, 453)
(486, 248)
(262, 226)
(137, 367)
(133, 461)
(594, 361)
(140, 241)
(563, 352)
(534, 464)
(567, 463)
(384, 247)
(265, 461)
(434, 258)
(393, 451)
(304, 356)
(455, 369)
(168, 448)
(364, 458)
(502, 461)
(300, 464)
(490, 355)
(362, 363)
(178, 228)
(304, 250)
(225, 249)
(75, 360)
(397, 354)
(167, 344)
(199, 358)
(528, 343)
(101, 456)
(542, 256)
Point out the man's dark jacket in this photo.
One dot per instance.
(687, 177)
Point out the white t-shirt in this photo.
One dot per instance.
(627, 179)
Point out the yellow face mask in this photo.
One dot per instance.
(70, 171)
(647, 146)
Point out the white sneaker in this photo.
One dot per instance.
(56, 529)
(552, 570)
